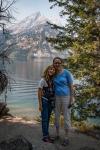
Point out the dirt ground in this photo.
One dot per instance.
(31, 130)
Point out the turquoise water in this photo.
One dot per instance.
(22, 99)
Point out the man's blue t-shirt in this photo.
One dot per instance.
(61, 83)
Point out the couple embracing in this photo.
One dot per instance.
(55, 84)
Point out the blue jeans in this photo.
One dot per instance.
(45, 114)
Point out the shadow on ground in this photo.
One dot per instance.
(31, 130)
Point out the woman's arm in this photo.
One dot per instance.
(40, 91)
(71, 94)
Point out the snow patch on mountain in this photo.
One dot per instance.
(55, 21)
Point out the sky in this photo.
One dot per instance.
(27, 7)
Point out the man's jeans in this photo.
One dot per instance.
(45, 114)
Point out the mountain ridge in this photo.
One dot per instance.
(29, 35)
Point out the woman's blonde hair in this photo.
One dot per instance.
(46, 75)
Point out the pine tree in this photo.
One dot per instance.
(81, 37)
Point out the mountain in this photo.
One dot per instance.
(29, 36)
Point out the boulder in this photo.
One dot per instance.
(2, 106)
(17, 143)
(3, 109)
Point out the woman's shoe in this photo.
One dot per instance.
(46, 139)
(65, 142)
(54, 138)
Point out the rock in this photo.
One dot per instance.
(17, 143)
(94, 133)
(3, 109)
(87, 148)
(7, 116)
(2, 105)
(47, 146)
(73, 129)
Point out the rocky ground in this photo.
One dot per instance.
(31, 130)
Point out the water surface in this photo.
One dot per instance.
(23, 100)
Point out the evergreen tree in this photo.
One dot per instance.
(81, 37)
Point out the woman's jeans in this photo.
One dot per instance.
(45, 114)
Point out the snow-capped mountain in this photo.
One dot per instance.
(32, 21)
(29, 36)
(29, 22)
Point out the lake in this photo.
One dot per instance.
(23, 99)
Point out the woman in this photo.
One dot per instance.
(46, 87)
(63, 88)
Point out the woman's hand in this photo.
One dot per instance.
(71, 102)
(40, 108)
(43, 93)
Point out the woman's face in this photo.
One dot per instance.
(57, 63)
(52, 71)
